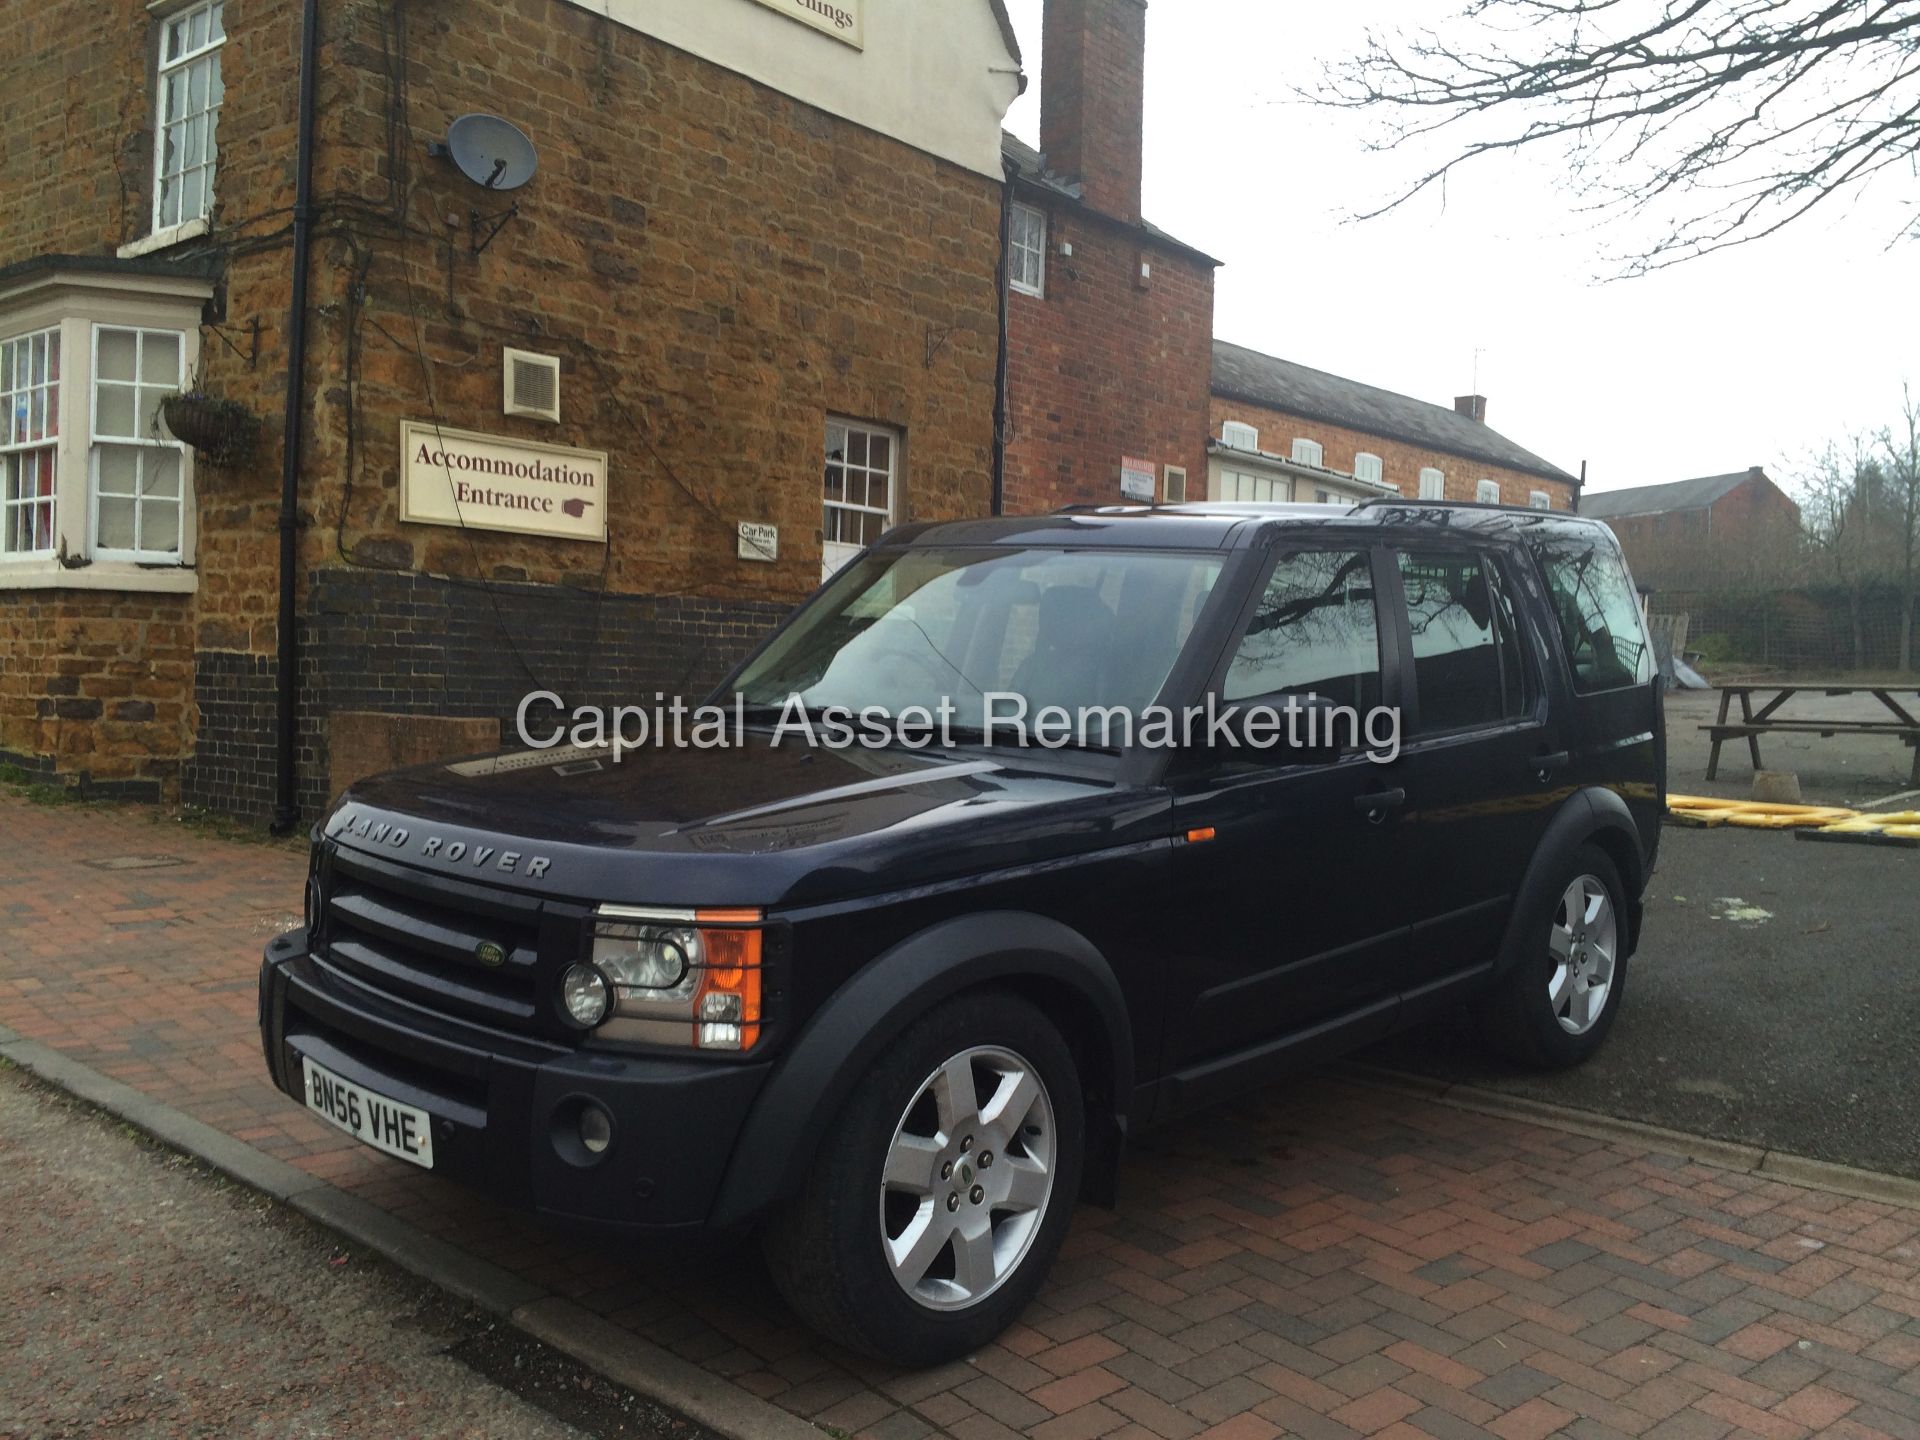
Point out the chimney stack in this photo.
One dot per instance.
(1474, 407)
(1093, 99)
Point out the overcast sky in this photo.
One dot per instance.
(1754, 357)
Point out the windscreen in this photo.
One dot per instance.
(922, 627)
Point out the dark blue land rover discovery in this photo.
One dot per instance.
(896, 1004)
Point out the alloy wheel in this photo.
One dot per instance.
(969, 1173)
(1583, 940)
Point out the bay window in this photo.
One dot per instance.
(95, 493)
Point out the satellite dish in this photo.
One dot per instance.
(493, 153)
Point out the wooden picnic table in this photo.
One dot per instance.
(1752, 723)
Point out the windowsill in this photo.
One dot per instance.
(161, 239)
(114, 575)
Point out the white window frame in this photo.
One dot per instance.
(834, 552)
(1238, 435)
(1540, 500)
(1027, 250)
(145, 447)
(1486, 492)
(1176, 484)
(204, 58)
(45, 449)
(1232, 486)
(1308, 452)
(1369, 467)
(1433, 483)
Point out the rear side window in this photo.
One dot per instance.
(1597, 611)
(1467, 666)
(1315, 633)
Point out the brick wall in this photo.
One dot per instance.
(1106, 366)
(403, 643)
(1401, 462)
(93, 687)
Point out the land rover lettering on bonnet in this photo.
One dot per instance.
(385, 832)
(893, 1009)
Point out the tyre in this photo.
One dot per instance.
(942, 1191)
(1553, 1009)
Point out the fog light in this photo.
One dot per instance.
(586, 995)
(596, 1129)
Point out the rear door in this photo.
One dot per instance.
(1618, 734)
(1482, 765)
(1288, 913)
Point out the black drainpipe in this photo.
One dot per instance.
(1000, 369)
(286, 805)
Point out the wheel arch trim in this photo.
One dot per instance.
(811, 1081)
(1593, 815)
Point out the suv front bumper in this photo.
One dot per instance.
(505, 1107)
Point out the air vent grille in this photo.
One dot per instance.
(533, 385)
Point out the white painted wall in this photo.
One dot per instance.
(935, 74)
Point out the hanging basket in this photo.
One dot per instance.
(221, 432)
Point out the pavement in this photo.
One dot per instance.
(143, 1296)
(1318, 1259)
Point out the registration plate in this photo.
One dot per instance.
(400, 1130)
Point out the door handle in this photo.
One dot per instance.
(1376, 805)
(1545, 763)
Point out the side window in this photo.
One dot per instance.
(1467, 666)
(1315, 633)
(1599, 615)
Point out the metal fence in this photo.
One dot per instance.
(1804, 632)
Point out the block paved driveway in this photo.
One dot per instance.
(1320, 1260)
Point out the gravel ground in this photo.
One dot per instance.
(1772, 1002)
(140, 1295)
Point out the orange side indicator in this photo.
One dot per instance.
(1200, 836)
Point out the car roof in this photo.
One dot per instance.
(1220, 525)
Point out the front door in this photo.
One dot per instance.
(1288, 913)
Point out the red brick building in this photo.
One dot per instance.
(1694, 534)
(752, 280)
(1285, 431)
(1109, 319)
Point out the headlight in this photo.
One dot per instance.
(680, 977)
(586, 995)
(662, 960)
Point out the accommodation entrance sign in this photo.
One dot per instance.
(498, 482)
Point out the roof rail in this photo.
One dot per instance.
(1373, 500)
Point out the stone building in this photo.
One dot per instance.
(1284, 431)
(752, 283)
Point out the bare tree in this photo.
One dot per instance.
(1837, 498)
(1715, 122)
(1903, 480)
